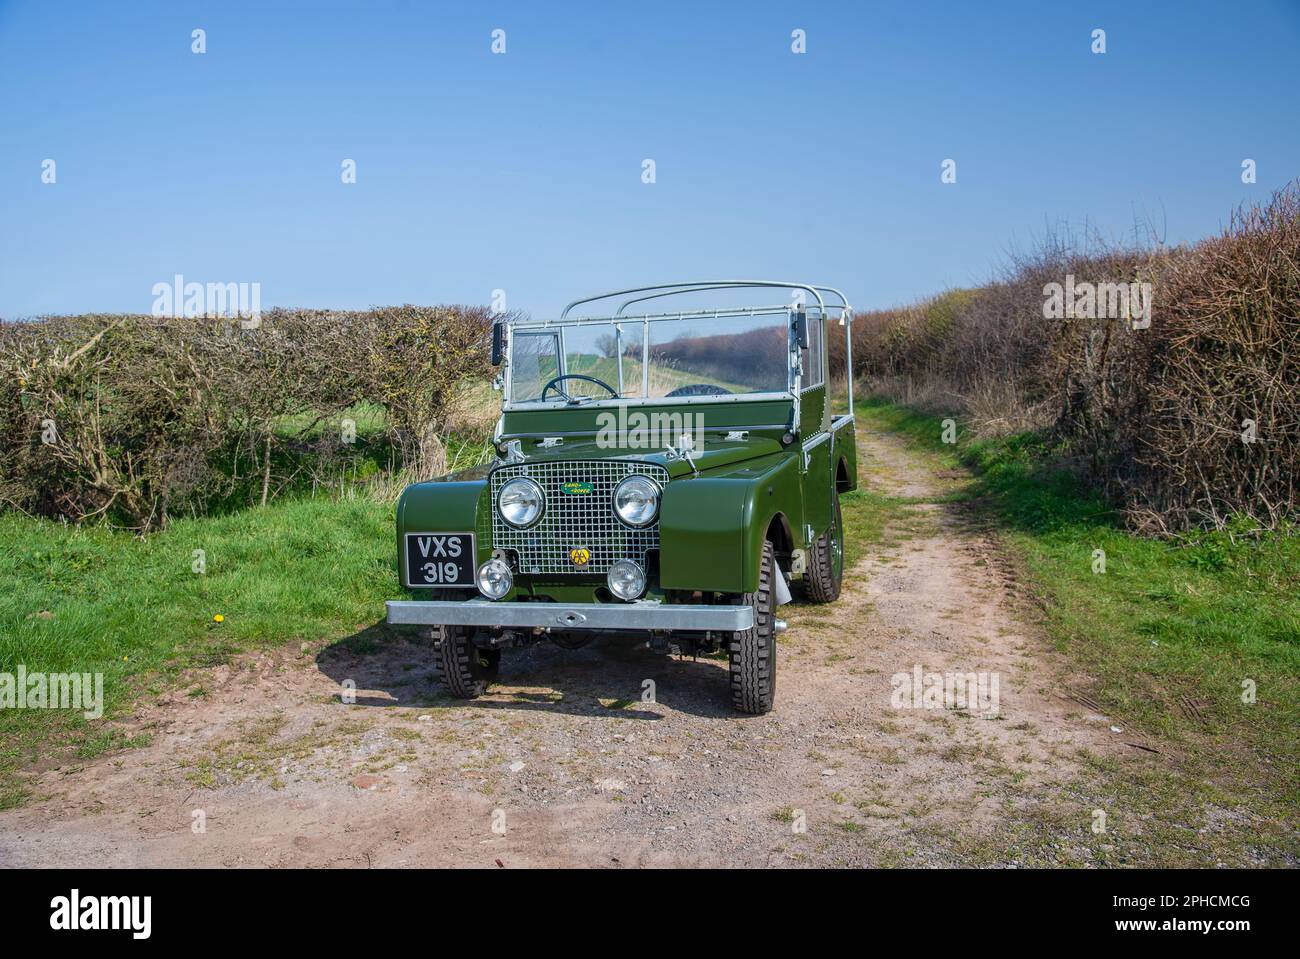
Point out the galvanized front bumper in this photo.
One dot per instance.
(643, 615)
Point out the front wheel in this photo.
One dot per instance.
(464, 669)
(753, 651)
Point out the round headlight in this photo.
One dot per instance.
(494, 579)
(521, 502)
(626, 579)
(636, 500)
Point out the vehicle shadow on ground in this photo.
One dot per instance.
(603, 680)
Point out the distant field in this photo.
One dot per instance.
(663, 379)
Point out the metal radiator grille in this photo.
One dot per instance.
(575, 519)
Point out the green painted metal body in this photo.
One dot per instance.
(772, 478)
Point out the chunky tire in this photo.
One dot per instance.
(753, 651)
(826, 565)
(464, 669)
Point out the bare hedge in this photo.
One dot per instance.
(139, 417)
(1185, 423)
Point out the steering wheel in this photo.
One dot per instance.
(568, 398)
(698, 389)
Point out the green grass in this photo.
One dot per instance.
(865, 513)
(93, 599)
(1170, 631)
(369, 419)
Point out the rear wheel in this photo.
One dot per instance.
(826, 565)
(464, 669)
(753, 651)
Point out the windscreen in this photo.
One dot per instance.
(687, 356)
(719, 355)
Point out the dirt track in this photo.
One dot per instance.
(564, 756)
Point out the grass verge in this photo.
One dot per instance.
(1195, 644)
(139, 611)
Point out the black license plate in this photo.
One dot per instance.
(440, 559)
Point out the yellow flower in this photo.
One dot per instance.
(218, 618)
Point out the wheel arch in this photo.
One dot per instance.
(712, 528)
(781, 536)
(843, 478)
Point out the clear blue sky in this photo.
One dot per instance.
(523, 171)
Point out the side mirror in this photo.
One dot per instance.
(498, 342)
(801, 329)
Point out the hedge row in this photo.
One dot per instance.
(138, 418)
(1187, 422)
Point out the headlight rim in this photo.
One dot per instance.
(541, 497)
(658, 494)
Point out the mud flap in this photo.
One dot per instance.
(782, 589)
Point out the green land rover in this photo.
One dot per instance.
(662, 477)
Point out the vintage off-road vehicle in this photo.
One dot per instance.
(660, 476)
